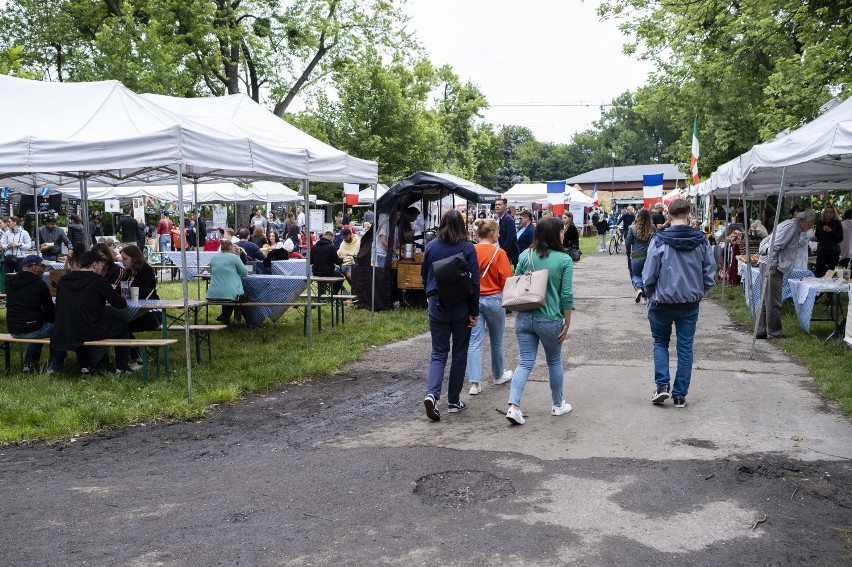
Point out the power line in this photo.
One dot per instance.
(554, 104)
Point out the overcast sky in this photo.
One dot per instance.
(533, 51)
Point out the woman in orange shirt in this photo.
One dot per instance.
(494, 270)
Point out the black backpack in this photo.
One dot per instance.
(453, 278)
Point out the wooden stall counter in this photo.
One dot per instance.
(408, 272)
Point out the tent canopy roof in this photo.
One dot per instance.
(628, 173)
(432, 186)
(54, 132)
(534, 192)
(240, 116)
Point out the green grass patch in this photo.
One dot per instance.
(245, 361)
(829, 364)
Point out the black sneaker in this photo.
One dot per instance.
(679, 401)
(456, 407)
(432, 408)
(660, 395)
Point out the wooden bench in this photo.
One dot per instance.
(142, 344)
(338, 304)
(201, 333)
(318, 305)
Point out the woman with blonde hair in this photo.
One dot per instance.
(494, 270)
(638, 237)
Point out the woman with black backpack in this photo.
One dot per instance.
(450, 273)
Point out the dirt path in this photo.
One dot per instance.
(347, 469)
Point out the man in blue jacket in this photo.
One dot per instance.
(508, 238)
(678, 271)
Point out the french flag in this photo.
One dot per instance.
(556, 196)
(652, 190)
(595, 201)
(350, 191)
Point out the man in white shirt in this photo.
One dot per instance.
(300, 217)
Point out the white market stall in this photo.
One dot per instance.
(528, 193)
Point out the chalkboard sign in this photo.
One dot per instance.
(48, 204)
(73, 206)
(5, 208)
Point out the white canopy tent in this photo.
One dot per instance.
(369, 196)
(537, 193)
(238, 115)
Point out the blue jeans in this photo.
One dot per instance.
(443, 326)
(531, 330)
(492, 313)
(33, 354)
(165, 243)
(684, 321)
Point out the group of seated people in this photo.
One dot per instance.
(229, 266)
(79, 313)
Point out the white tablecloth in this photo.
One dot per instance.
(804, 297)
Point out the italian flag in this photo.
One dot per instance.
(693, 159)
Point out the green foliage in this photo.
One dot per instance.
(41, 406)
(509, 174)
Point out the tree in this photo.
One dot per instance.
(509, 174)
(266, 48)
(746, 69)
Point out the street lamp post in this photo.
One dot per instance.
(612, 185)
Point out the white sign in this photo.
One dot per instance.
(139, 209)
(220, 216)
(112, 206)
(317, 220)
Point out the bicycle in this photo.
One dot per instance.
(616, 242)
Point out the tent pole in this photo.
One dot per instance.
(35, 216)
(766, 290)
(373, 253)
(84, 204)
(197, 234)
(725, 256)
(306, 189)
(185, 285)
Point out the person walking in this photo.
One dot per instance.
(638, 238)
(678, 271)
(449, 322)
(526, 229)
(783, 261)
(494, 270)
(508, 233)
(164, 232)
(548, 324)
(603, 228)
(829, 236)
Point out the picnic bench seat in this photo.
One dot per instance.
(142, 344)
(201, 333)
(318, 305)
(338, 303)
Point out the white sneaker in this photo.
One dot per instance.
(560, 410)
(515, 416)
(507, 375)
(475, 388)
(134, 366)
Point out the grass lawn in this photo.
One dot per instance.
(830, 364)
(40, 406)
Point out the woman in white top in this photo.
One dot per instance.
(15, 242)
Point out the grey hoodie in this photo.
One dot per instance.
(679, 268)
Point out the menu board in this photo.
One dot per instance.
(5, 207)
(73, 207)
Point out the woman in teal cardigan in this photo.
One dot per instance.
(549, 323)
(226, 273)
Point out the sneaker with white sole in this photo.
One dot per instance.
(432, 408)
(660, 395)
(456, 407)
(134, 366)
(507, 376)
(515, 416)
(560, 410)
(475, 388)
(679, 401)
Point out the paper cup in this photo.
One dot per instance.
(134, 294)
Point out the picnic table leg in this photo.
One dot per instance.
(145, 365)
(166, 336)
(7, 347)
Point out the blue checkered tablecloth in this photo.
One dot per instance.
(804, 297)
(288, 267)
(175, 258)
(57, 265)
(134, 309)
(270, 289)
(786, 291)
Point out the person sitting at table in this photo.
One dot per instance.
(81, 315)
(292, 253)
(226, 271)
(72, 259)
(29, 307)
(272, 243)
(112, 270)
(252, 250)
(303, 245)
(258, 238)
(348, 251)
(325, 260)
(140, 275)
